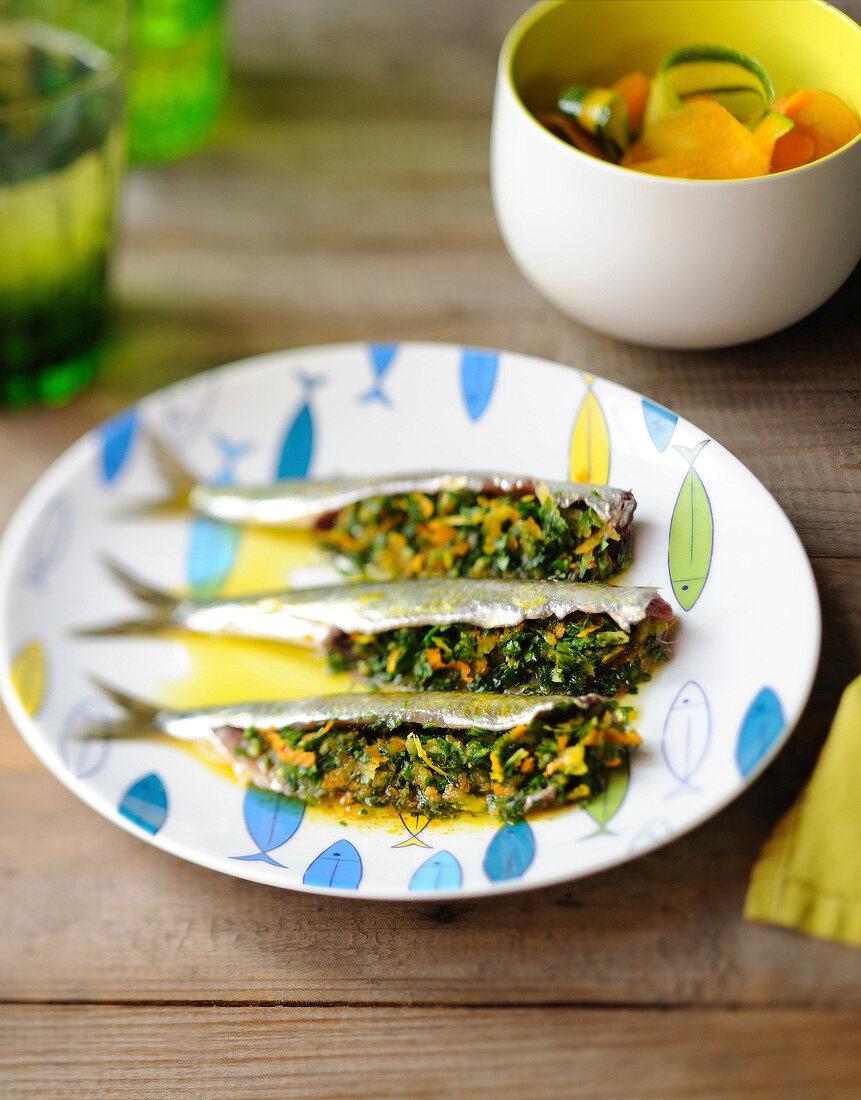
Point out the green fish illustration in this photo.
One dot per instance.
(691, 534)
(605, 806)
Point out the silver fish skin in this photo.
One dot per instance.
(369, 607)
(445, 709)
(299, 503)
(312, 616)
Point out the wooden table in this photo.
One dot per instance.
(346, 197)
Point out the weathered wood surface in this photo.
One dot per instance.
(427, 1053)
(305, 223)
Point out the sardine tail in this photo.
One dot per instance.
(181, 480)
(122, 627)
(140, 589)
(180, 483)
(137, 719)
(161, 605)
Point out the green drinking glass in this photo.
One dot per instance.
(62, 150)
(179, 75)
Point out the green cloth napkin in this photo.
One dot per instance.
(808, 875)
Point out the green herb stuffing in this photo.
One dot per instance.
(574, 656)
(466, 534)
(562, 759)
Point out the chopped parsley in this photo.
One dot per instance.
(469, 534)
(575, 656)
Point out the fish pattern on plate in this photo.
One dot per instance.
(297, 448)
(382, 361)
(213, 545)
(478, 370)
(686, 734)
(510, 852)
(29, 676)
(691, 533)
(415, 825)
(339, 867)
(590, 441)
(604, 807)
(271, 820)
(660, 423)
(441, 871)
(145, 803)
(83, 756)
(52, 536)
(761, 725)
(118, 437)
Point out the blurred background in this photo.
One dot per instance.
(336, 200)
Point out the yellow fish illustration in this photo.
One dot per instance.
(590, 441)
(414, 824)
(28, 675)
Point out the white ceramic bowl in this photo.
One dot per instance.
(672, 262)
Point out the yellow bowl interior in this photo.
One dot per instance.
(801, 43)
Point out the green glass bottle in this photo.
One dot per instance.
(179, 75)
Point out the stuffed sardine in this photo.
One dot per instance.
(435, 523)
(435, 753)
(444, 633)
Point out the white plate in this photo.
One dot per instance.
(711, 720)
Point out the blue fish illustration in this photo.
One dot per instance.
(51, 538)
(381, 361)
(414, 824)
(145, 803)
(440, 872)
(117, 436)
(213, 546)
(761, 725)
(691, 534)
(510, 852)
(271, 819)
(212, 551)
(294, 456)
(340, 867)
(478, 371)
(660, 423)
(687, 731)
(83, 756)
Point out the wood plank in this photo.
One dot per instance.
(324, 1052)
(444, 49)
(124, 921)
